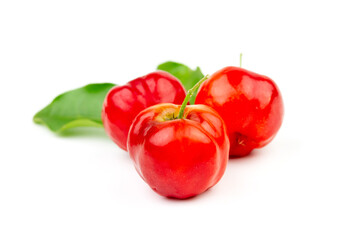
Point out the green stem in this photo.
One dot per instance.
(240, 59)
(188, 96)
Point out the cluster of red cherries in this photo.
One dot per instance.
(181, 150)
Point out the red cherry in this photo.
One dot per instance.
(179, 158)
(250, 104)
(123, 103)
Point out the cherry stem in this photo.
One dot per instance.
(188, 96)
(240, 59)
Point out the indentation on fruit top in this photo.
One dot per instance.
(167, 115)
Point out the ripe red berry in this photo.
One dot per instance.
(250, 104)
(123, 103)
(179, 158)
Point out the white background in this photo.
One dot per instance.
(304, 185)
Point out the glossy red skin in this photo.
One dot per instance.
(179, 158)
(123, 103)
(250, 104)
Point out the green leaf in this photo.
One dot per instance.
(77, 108)
(186, 75)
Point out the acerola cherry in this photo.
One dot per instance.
(179, 152)
(123, 103)
(250, 104)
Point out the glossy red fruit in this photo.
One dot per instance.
(123, 103)
(250, 104)
(179, 158)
